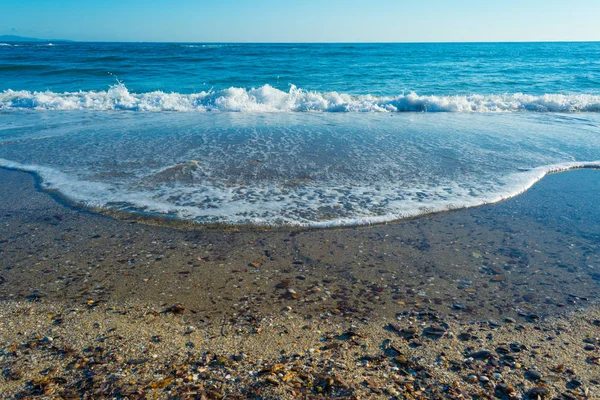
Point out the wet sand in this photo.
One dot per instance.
(289, 313)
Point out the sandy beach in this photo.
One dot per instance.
(499, 300)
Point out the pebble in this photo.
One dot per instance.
(435, 330)
(480, 355)
(189, 329)
(538, 391)
(504, 388)
(533, 375)
(411, 330)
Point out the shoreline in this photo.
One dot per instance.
(183, 224)
(451, 284)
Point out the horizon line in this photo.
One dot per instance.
(303, 42)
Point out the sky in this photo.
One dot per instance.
(303, 20)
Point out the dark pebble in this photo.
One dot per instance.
(574, 383)
(480, 355)
(435, 330)
(538, 391)
(533, 375)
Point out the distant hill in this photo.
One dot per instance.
(15, 38)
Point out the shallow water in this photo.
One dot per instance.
(294, 169)
(297, 134)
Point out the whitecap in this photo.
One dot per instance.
(269, 99)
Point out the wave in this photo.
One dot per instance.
(269, 99)
(249, 211)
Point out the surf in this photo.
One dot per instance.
(268, 99)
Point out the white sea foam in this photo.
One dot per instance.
(236, 207)
(269, 99)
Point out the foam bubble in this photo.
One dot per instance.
(270, 206)
(269, 99)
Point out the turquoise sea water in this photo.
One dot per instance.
(297, 134)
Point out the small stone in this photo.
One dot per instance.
(472, 379)
(533, 317)
(504, 388)
(284, 284)
(533, 375)
(435, 330)
(528, 297)
(574, 383)
(484, 379)
(538, 391)
(509, 320)
(589, 347)
(411, 330)
(291, 294)
(497, 376)
(176, 309)
(189, 329)
(480, 355)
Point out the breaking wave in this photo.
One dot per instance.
(269, 99)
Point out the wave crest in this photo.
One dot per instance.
(269, 99)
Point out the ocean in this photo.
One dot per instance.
(311, 135)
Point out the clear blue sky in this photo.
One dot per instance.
(303, 20)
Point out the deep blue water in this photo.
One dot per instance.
(302, 77)
(297, 134)
(377, 69)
